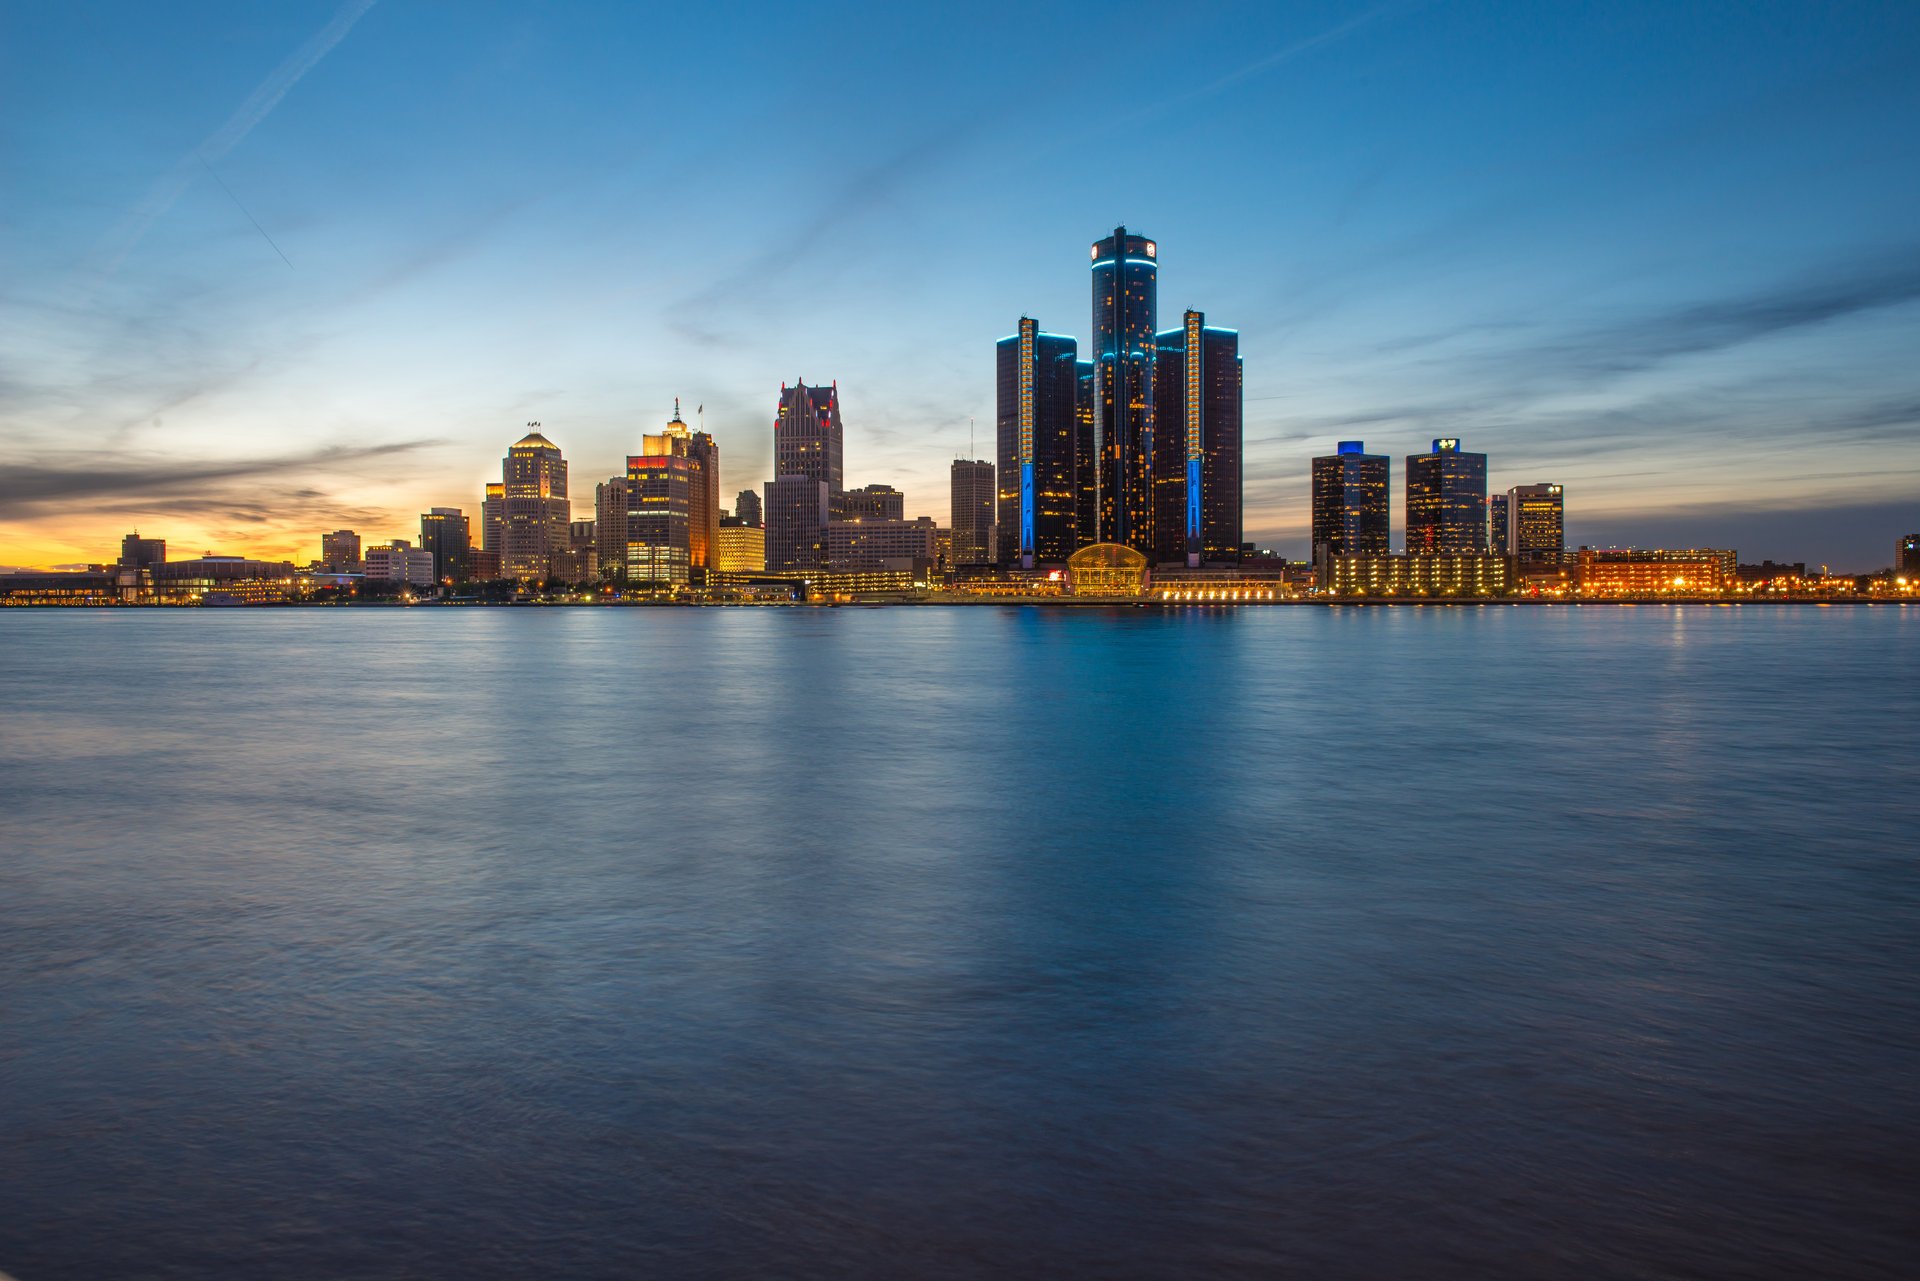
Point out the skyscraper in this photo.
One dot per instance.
(972, 500)
(660, 483)
(445, 536)
(610, 529)
(797, 512)
(1125, 287)
(1196, 432)
(747, 508)
(1350, 514)
(340, 551)
(1446, 500)
(1086, 458)
(703, 499)
(1536, 524)
(534, 507)
(1497, 524)
(1036, 386)
(808, 436)
(1907, 555)
(493, 508)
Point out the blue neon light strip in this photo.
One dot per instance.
(1026, 509)
(1193, 499)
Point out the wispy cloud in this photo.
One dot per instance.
(257, 106)
(860, 194)
(98, 477)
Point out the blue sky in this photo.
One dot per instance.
(270, 269)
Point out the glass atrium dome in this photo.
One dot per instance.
(1107, 569)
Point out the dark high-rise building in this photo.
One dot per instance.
(143, 553)
(1350, 512)
(610, 529)
(972, 519)
(808, 436)
(1536, 524)
(1907, 555)
(1086, 458)
(1125, 285)
(1196, 433)
(1037, 383)
(1447, 500)
(493, 507)
(1497, 524)
(747, 508)
(798, 509)
(534, 508)
(340, 551)
(871, 502)
(445, 536)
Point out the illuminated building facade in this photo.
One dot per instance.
(703, 500)
(972, 502)
(1350, 512)
(610, 529)
(1418, 574)
(340, 550)
(1497, 524)
(742, 548)
(808, 436)
(1447, 501)
(1635, 571)
(1536, 524)
(1108, 569)
(881, 544)
(534, 508)
(233, 578)
(1125, 298)
(1196, 434)
(1035, 390)
(660, 483)
(445, 536)
(797, 510)
(138, 553)
(400, 562)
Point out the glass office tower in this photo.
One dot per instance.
(1350, 513)
(1125, 286)
(1036, 381)
(1196, 465)
(1536, 524)
(1446, 500)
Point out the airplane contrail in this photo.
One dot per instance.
(265, 97)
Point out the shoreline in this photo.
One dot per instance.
(1045, 602)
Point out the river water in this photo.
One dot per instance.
(966, 942)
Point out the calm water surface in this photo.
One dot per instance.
(960, 943)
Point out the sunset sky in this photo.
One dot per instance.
(275, 269)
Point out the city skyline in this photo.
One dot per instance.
(294, 293)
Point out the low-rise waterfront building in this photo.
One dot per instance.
(1420, 574)
(1636, 571)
